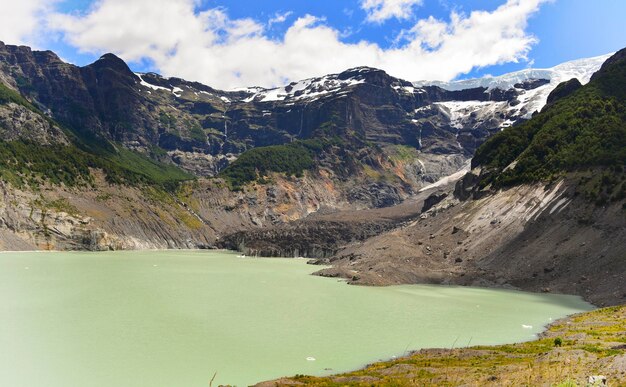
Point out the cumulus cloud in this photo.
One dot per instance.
(21, 22)
(215, 49)
(380, 10)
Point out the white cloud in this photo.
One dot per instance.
(21, 22)
(279, 18)
(222, 52)
(380, 10)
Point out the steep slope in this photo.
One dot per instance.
(355, 140)
(542, 209)
(535, 98)
(581, 134)
(202, 129)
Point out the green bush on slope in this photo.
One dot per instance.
(290, 159)
(25, 163)
(582, 132)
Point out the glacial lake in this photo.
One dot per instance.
(176, 318)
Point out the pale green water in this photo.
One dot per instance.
(175, 318)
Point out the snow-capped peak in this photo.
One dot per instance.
(309, 89)
(582, 69)
(536, 98)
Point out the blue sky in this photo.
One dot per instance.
(250, 42)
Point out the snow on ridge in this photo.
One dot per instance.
(151, 86)
(310, 88)
(249, 90)
(177, 91)
(457, 111)
(406, 89)
(582, 69)
(535, 99)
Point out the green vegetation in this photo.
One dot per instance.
(63, 205)
(167, 120)
(7, 95)
(24, 163)
(567, 383)
(585, 131)
(257, 163)
(126, 166)
(196, 132)
(399, 153)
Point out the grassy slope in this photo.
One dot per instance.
(24, 163)
(8, 95)
(593, 343)
(583, 132)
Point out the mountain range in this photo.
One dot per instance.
(357, 169)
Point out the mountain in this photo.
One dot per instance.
(542, 209)
(356, 169)
(535, 99)
(582, 132)
(202, 130)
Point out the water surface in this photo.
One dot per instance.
(175, 318)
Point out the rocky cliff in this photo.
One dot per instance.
(202, 129)
(542, 209)
(345, 168)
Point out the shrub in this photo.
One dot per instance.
(255, 164)
(585, 131)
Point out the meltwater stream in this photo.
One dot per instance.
(176, 318)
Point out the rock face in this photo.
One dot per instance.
(563, 90)
(433, 200)
(18, 122)
(359, 207)
(115, 217)
(202, 129)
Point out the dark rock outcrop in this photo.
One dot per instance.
(433, 200)
(563, 90)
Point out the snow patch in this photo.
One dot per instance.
(149, 85)
(307, 89)
(177, 91)
(449, 179)
(459, 111)
(404, 89)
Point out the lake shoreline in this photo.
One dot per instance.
(205, 294)
(329, 271)
(571, 349)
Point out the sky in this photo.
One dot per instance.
(268, 43)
